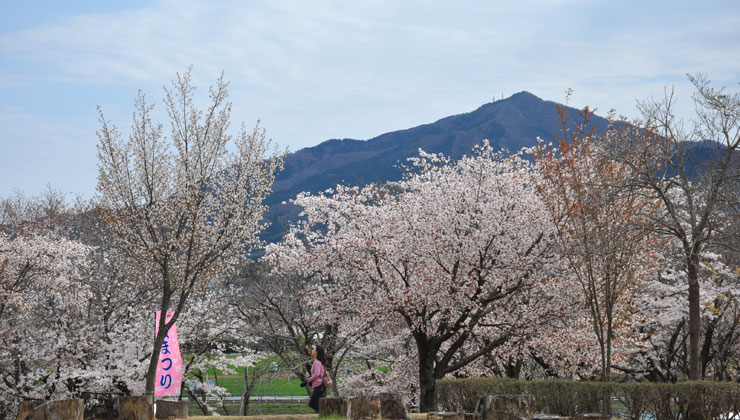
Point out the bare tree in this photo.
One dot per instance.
(186, 207)
(262, 372)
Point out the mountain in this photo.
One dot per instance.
(510, 123)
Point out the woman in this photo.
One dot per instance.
(317, 377)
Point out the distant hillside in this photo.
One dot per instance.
(510, 123)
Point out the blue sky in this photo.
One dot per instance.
(332, 69)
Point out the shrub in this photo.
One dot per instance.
(633, 401)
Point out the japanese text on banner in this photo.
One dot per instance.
(169, 366)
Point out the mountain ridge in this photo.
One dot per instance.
(511, 124)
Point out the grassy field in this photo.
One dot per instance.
(284, 384)
(265, 409)
(280, 386)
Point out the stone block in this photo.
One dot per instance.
(101, 406)
(171, 409)
(73, 409)
(365, 407)
(393, 406)
(26, 407)
(333, 406)
(135, 408)
(445, 415)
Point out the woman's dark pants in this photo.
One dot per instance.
(318, 392)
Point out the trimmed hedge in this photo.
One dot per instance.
(633, 401)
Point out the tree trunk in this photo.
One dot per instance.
(223, 404)
(513, 368)
(706, 348)
(695, 374)
(151, 373)
(427, 382)
(335, 389)
(244, 406)
(203, 405)
(608, 359)
(694, 320)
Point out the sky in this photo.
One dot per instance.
(313, 71)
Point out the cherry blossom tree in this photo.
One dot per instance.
(458, 254)
(39, 299)
(187, 207)
(664, 358)
(384, 362)
(52, 211)
(82, 319)
(75, 322)
(63, 344)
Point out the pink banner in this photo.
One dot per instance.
(169, 366)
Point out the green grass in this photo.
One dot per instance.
(279, 387)
(257, 409)
(283, 385)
